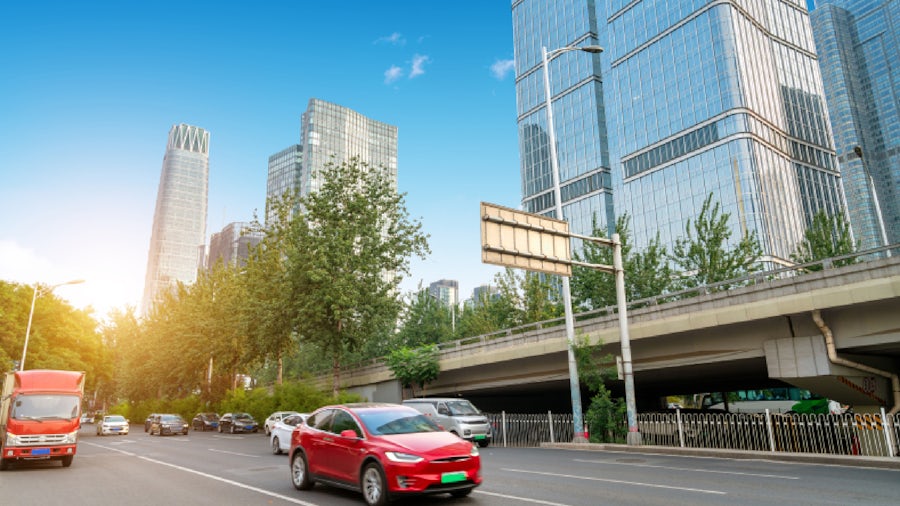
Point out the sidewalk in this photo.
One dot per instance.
(808, 458)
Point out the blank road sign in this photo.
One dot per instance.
(523, 240)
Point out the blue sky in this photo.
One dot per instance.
(89, 90)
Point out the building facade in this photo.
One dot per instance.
(698, 98)
(330, 133)
(578, 110)
(858, 42)
(285, 168)
(179, 221)
(446, 291)
(232, 244)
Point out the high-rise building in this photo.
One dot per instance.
(577, 94)
(332, 133)
(698, 98)
(446, 291)
(284, 175)
(858, 42)
(232, 244)
(179, 221)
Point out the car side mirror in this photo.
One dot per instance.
(349, 434)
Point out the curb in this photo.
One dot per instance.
(808, 458)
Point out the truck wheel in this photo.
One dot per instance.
(67, 460)
(4, 464)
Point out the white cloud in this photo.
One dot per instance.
(418, 62)
(501, 68)
(392, 74)
(21, 265)
(394, 39)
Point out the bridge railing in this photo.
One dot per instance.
(874, 435)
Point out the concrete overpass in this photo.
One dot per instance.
(749, 337)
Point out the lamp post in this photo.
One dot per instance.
(574, 385)
(39, 291)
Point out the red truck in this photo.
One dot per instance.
(39, 416)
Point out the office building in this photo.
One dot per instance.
(232, 244)
(179, 220)
(578, 111)
(697, 98)
(284, 175)
(446, 291)
(858, 43)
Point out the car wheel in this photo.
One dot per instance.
(219, 428)
(461, 493)
(374, 486)
(67, 460)
(484, 443)
(268, 432)
(231, 429)
(300, 472)
(276, 448)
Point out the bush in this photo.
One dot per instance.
(605, 418)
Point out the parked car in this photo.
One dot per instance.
(275, 417)
(237, 422)
(205, 421)
(280, 435)
(112, 424)
(383, 451)
(455, 415)
(168, 424)
(148, 420)
(86, 419)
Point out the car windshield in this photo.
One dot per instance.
(209, 416)
(385, 422)
(115, 418)
(242, 416)
(462, 408)
(171, 418)
(46, 407)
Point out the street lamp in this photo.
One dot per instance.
(574, 385)
(39, 291)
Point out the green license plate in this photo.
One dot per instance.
(479, 437)
(453, 477)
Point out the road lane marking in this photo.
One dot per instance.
(622, 482)
(212, 477)
(689, 469)
(521, 499)
(233, 453)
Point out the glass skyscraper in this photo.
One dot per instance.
(178, 238)
(577, 92)
(858, 42)
(697, 98)
(330, 133)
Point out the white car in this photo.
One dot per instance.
(280, 438)
(112, 424)
(276, 417)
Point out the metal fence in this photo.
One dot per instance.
(874, 435)
(530, 429)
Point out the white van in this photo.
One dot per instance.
(455, 415)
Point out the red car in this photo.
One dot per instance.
(381, 450)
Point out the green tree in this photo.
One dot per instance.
(605, 417)
(703, 255)
(647, 272)
(348, 252)
(415, 366)
(427, 321)
(826, 237)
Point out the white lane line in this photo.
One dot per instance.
(212, 477)
(520, 499)
(622, 482)
(690, 469)
(233, 453)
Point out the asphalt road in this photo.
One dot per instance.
(222, 469)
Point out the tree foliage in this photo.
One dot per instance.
(427, 320)
(347, 254)
(704, 255)
(826, 237)
(415, 366)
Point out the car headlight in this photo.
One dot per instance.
(474, 451)
(12, 439)
(406, 458)
(71, 438)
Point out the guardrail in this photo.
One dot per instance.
(873, 435)
(523, 430)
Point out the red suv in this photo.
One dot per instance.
(381, 450)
